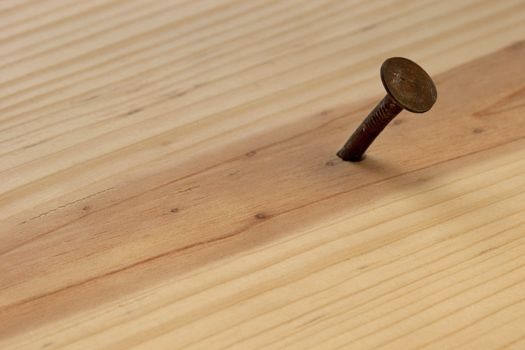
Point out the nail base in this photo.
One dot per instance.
(350, 158)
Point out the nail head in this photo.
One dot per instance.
(408, 84)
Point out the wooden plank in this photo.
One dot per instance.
(170, 180)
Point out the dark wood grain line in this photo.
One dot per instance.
(508, 345)
(192, 78)
(381, 282)
(128, 267)
(492, 330)
(447, 315)
(472, 323)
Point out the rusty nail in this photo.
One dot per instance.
(408, 87)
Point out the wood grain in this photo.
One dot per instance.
(168, 176)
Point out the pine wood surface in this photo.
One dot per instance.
(168, 177)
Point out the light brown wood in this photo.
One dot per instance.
(168, 176)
